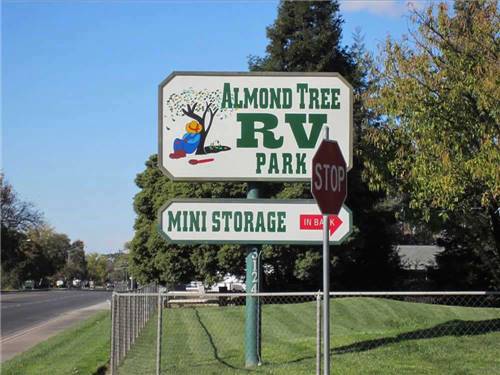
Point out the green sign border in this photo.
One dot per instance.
(245, 242)
(248, 74)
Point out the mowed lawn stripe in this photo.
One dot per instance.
(225, 346)
(291, 328)
(141, 360)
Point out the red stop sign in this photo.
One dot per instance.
(329, 178)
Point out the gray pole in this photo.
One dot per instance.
(113, 321)
(326, 289)
(158, 333)
(318, 333)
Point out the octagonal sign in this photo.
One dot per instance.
(329, 178)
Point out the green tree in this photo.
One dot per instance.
(438, 148)
(17, 218)
(97, 266)
(76, 266)
(45, 253)
(305, 37)
(118, 266)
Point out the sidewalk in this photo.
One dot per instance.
(19, 342)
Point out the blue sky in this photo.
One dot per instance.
(79, 92)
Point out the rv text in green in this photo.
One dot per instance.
(260, 130)
(226, 221)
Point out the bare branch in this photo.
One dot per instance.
(207, 108)
(212, 116)
(17, 214)
(190, 113)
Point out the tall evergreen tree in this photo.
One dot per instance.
(306, 37)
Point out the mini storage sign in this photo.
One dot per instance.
(250, 126)
(250, 221)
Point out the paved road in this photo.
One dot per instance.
(23, 310)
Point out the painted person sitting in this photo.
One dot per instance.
(189, 142)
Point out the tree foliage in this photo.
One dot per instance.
(305, 37)
(18, 217)
(437, 95)
(31, 249)
(97, 266)
(45, 253)
(76, 267)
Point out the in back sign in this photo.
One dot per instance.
(250, 126)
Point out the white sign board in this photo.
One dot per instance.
(252, 221)
(250, 126)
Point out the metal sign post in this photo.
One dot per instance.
(326, 289)
(252, 306)
(326, 296)
(329, 188)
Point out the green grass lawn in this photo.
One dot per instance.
(83, 349)
(369, 336)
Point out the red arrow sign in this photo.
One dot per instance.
(315, 222)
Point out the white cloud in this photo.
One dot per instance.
(393, 8)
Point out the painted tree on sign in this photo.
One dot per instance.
(200, 105)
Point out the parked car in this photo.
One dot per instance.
(29, 284)
(60, 283)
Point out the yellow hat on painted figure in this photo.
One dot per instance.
(194, 127)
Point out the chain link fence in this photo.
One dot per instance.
(132, 315)
(204, 333)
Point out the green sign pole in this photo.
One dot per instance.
(252, 321)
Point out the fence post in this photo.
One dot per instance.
(127, 324)
(134, 318)
(112, 359)
(120, 335)
(143, 312)
(318, 333)
(158, 334)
